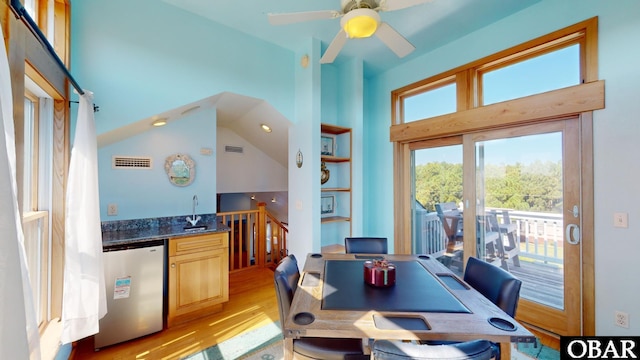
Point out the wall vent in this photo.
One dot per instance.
(234, 149)
(131, 162)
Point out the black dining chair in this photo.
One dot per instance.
(497, 285)
(399, 350)
(365, 245)
(286, 279)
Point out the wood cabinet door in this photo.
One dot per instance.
(197, 282)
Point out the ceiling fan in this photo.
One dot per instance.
(359, 19)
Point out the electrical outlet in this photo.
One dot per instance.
(622, 319)
(112, 209)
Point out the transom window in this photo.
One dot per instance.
(549, 71)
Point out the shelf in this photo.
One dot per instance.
(335, 189)
(334, 129)
(334, 159)
(330, 219)
(336, 224)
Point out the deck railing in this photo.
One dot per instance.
(540, 235)
(256, 238)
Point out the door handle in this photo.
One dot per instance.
(572, 234)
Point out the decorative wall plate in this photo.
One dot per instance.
(180, 169)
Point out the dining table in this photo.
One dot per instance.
(426, 302)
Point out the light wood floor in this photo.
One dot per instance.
(252, 304)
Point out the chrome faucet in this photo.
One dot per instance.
(193, 220)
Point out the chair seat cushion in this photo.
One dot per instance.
(394, 350)
(327, 348)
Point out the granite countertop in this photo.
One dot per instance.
(125, 232)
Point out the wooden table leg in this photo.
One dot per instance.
(288, 348)
(505, 350)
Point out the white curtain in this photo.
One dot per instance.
(19, 337)
(84, 300)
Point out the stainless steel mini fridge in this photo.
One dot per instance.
(134, 276)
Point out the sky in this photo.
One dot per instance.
(551, 71)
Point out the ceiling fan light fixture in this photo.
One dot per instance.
(360, 23)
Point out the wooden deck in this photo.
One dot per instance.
(541, 283)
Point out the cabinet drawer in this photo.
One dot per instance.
(197, 243)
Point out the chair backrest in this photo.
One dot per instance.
(365, 245)
(397, 350)
(285, 279)
(448, 209)
(495, 283)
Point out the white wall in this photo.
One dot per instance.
(252, 170)
(616, 131)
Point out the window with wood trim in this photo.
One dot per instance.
(36, 200)
(540, 92)
(551, 62)
(52, 18)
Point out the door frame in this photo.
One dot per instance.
(578, 100)
(566, 321)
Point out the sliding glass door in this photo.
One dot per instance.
(527, 191)
(525, 214)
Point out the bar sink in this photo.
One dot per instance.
(195, 228)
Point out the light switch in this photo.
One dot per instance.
(621, 220)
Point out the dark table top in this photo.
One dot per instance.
(415, 289)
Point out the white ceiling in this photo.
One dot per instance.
(426, 26)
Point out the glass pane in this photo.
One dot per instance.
(432, 103)
(519, 213)
(27, 201)
(33, 246)
(547, 72)
(30, 6)
(437, 179)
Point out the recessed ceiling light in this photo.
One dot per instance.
(160, 122)
(265, 127)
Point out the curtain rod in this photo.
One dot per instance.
(21, 13)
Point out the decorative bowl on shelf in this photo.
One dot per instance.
(379, 273)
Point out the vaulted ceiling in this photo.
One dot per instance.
(427, 26)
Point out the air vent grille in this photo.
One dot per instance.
(131, 162)
(233, 149)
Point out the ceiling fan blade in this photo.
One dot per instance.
(390, 5)
(291, 18)
(334, 48)
(396, 42)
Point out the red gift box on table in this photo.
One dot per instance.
(379, 273)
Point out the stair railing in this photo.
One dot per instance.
(256, 238)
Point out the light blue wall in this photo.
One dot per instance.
(140, 62)
(616, 130)
(149, 193)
